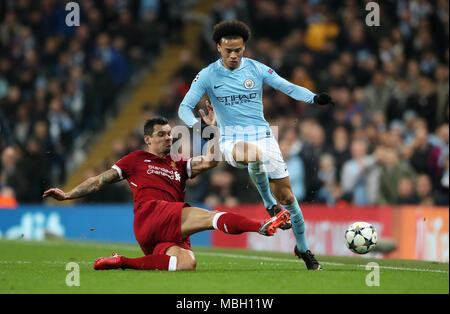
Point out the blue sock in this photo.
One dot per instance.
(259, 176)
(298, 225)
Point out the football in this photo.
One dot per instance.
(361, 237)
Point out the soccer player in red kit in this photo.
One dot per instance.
(163, 222)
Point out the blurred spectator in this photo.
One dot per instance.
(119, 148)
(22, 127)
(149, 6)
(398, 103)
(150, 32)
(424, 190)
(290, 148)
(424, 102)
(35, 164)
(442, 89)
(198, 188)
(135, 142)
(439, 142)
(7, 199)
(170, 101)
(181, 83)
(112, 57)
(420, 159)
(321, 31)
(301, 77)
(354, 173)
(443, 193)
(330, 192)
(340, 149)
(376, 95)
(405, 191)
(394, 178)
(230, 10)
(187, 70)
(220, 189)
(99, 94)
(313, 145)
(12, 175)
(6, 134)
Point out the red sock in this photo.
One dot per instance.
(235, 224)
(150, 262)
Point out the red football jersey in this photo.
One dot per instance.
(154, 178)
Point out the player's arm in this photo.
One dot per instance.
(88, 186)
(191, 99)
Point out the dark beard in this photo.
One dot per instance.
(167, 151)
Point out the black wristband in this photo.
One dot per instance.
(323, 99)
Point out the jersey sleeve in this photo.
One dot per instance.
(192, 97)
(271, 78)
(125, 166)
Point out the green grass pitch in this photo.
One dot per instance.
(40, 267)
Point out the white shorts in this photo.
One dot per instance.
(273, 159)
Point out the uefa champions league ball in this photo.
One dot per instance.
(361, 237)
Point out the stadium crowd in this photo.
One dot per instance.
(385, 142)
(58, 83)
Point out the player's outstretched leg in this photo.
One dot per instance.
(148, 262)
(236, 224)
(195, 220)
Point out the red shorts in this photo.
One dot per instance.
(157, 226)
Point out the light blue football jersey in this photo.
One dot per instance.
(236, 96)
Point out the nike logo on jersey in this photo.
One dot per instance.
(217, 86)
(147, 160)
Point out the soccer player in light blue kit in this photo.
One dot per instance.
(234, 86)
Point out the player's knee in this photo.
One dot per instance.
(286, 197)
(186, 263)
(192, 265)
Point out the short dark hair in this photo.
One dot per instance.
(150, 124)
(230, 30)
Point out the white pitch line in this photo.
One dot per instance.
(273, 259)
(260, 258)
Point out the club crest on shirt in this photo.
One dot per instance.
(173, 165)
(249, 83)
